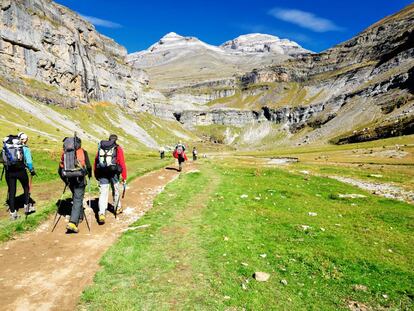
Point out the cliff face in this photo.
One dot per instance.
(42, 40)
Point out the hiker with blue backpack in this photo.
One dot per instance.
(74, 166)
(110, 170)
(16, 158)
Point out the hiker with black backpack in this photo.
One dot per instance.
(74, 166)
(179, 154)
(110, 170)
(16, 158)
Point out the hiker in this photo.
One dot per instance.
(195, 154)
(16, 157)
(179, 154)
(162, 152)
(73, 167)
(109, 166)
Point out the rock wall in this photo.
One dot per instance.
(42, 40)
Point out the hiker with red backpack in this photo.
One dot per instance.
(179, 154)
(109, 167)
(16, 157)
(74, 166)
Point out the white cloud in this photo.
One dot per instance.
(101, 22)
(305, 19)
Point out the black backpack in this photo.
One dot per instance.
(73, 158)
(107, 157)
(12, 153)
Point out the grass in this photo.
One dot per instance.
(204, 240)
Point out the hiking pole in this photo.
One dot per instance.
(30, 192)
(119, 198)
(90, 204)
(57, 211)
(2, 173)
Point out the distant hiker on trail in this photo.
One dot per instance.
(16, 157)
(162, 152)
(73, 167)
(109, 167)
(195, 154)
(179, 154)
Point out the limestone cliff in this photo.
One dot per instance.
(41, 41)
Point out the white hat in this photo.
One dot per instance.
(22, 136)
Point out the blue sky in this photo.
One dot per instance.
(314, 24)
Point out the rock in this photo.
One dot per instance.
(261, 276)
(244, 196)
(244, 264)
(359, 287)
(284, 282)
(225, 238)
(384, 296)
(305, 227)
(352, 196)
(322, 229)
(312, 214)
(263, 255)
(244, 286)
(357, 306)
(227, 297)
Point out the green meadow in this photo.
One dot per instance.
(211, 230)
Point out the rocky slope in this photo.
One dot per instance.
(56, 56)
(359, 90)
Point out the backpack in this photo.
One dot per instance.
(107, 156)
(12, 153)
(73, 158)
(179, 149)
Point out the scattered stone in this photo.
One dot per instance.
(322, 229)
(390, 250)
(304, 172)
(263, 255)
(385, 296)
(244, 196)
(312, 214)
(244, 264)
(357, 306)
(359, 287)
(376, 175)
(244, 286)
(318, 195)
(305, 227)
(351, 196)
(136, 228)
(257, 198)
(261, 276)
(284, 282)
(227, 297)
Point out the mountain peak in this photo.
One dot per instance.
(171, 35)
(258, 42)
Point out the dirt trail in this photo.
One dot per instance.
(47, 271)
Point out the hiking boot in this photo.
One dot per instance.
(101, 219)
(119, 210)
(71, 227)
(29, 209)
(32, 209)
(14, 215)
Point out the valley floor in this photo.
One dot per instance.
(326, 245)
(195, 240)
